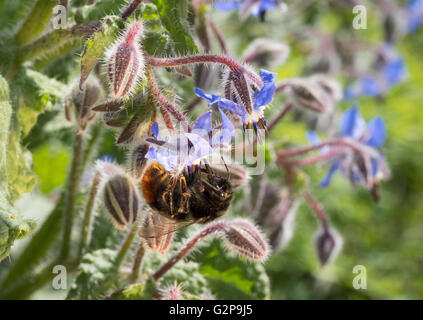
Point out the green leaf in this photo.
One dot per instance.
(184, 272)
(140, 291)
(12, 227)
(32, 94)
(231, 277)
(173, 15)
(98, 10)
(97, 44)
(97, 275)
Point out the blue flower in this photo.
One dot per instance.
(217, 137)
(261, 99)
(177, 152)
(256, 7)
(367, 166)
(414, 15)
(392, 72)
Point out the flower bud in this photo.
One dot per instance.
(158, 232)
(83, 101)
(281, 220)
(329, 85)
(308, 95)
(266, 53)
(121, 200)
(242, 237)
(138, 159)
(173, 292)
(328, 245)
(125, 62)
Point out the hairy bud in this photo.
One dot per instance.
(281, 220)
(121, 200)
(138, 159)
(266, 53)
(125, 62)
(243, 238)
(309, 95)
(328, 245)
(83, 100)
(173, 292)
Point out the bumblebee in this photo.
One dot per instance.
(194, 196)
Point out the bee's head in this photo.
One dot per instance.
(220, 189)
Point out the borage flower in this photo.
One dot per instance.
(414, 15)
(251, 118)
(255, 7)
(175, 153)
(391, 71)
(363, 164)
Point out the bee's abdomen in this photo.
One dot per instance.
(153, 180)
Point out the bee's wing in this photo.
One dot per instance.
(157, 226)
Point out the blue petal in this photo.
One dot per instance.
(312, 137)
(394, 71)
(227, 5)
(155, 130)
(232, 107)
(351, 92)
(228, 128)
(210, 97)
(333, 168)
(201, 147)
(203, 122)
(264, 5)
(265, 95)
(151, 153)
(370, 87)
(375, 166)
(377, 132)
(348, 121)
(414, 11)
(222, 102)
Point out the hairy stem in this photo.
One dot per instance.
(136, 266)
(279, 117)
(335, 142)
(212, 58)
(219, 36)
(186, 249)
(130, 9)
(173, 110)
(312, 160)
(36, 22)
(88, 214)
(127, 243)
(71, 194)
(317, 209)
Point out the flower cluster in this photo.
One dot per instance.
(363, 163)
(390, 70)
(246, 102)
(255, 7)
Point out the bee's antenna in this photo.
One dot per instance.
(227, 169)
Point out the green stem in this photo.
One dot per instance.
(138, 261)
(88, 214)
(127, 243)
(71, 194)
(36, 22)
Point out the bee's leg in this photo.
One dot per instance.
(183, 207)
(138, 160)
